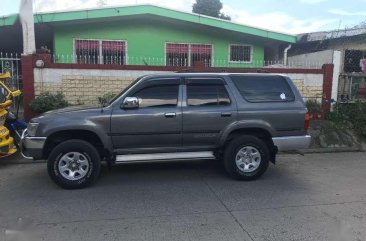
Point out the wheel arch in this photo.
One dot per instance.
(62, 135)
(260, 132)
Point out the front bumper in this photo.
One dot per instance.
(292, 143)
(32, 147)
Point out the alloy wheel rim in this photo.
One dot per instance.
(73, 166)
(248, 159)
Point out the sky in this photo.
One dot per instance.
(288, 16)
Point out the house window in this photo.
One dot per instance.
(87, 51)
(201, 53)
(188, 54)
(177, 55)
(100, 52)
(241, 53)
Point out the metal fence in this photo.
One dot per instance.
(354, 60)
(11, 63)
(179, 60)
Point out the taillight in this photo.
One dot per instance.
(307, 121)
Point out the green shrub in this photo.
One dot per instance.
(106, 98)
(313, 105)
(47, 101)
(350, 116)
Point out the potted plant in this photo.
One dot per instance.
(315, 109)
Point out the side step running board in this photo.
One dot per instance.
(176, 156)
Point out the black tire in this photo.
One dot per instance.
(232, 149)
(79, 146)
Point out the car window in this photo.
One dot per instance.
(207, 95)
(158, 96)
(263, 88)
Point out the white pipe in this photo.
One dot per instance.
(285, 54)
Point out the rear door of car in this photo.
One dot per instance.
(207, 108)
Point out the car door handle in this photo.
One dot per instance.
(170, 115)
(226, 114)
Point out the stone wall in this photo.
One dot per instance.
(85, 86)
(309, 85)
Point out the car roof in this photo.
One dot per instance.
(197, 74)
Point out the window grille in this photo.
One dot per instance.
(100, 52)
(241, 53)
(188, 54)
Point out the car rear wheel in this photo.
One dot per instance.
(246, 158)
(74, 164)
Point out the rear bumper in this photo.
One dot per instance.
(292, 143)
(32, 147)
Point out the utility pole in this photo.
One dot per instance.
(27, 21)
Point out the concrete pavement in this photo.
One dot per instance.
(311, 197)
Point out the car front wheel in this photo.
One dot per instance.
(74, 164)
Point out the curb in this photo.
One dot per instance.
(331, 150)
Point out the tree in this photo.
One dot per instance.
(361, 25)
(210, 8)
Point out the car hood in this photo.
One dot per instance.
(72, 109)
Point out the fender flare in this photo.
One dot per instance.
(242, 125)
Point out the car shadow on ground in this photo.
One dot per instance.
(200, 170)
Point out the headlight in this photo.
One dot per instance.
(32, 129)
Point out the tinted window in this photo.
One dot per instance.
(206, 95)
(158, 96)
(263, 88)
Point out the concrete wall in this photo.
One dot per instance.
(317, 59)
(338, 63)
(84, 86)
(309, 85)
(312, 60)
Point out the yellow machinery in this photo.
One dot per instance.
(7, 146)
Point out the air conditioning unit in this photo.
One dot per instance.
(363, 65)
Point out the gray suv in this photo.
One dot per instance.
(241, 119)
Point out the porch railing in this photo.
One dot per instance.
(180, 61)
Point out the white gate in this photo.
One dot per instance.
(11, 63)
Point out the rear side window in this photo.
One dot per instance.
(264, 88)
(207, 95)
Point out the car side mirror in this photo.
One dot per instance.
(131, 103)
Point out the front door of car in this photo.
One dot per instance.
(157, 121)
(207, 110)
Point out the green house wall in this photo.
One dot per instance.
(146, 40)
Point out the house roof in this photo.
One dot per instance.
(8, 20)
(335, 34)
(111, 12)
